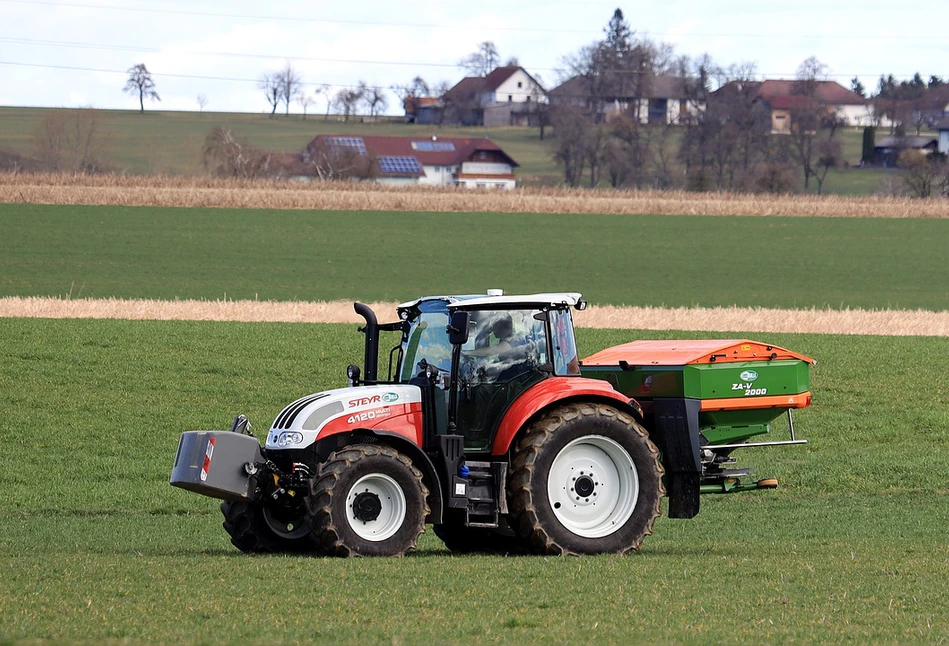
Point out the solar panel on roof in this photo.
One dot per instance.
(356, 143)
(434, 146)
(399, 165)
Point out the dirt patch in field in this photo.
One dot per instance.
(208, 192)
(718, 319)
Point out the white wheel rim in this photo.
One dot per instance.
(392, 500)
(593, 486)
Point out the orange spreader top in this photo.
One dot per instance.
(680, 353)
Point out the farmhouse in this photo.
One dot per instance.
(783, 97)
(506, 97)
(432, 161)
(659, 99)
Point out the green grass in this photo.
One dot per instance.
(95, 545)
(171, 142)
(170, 253)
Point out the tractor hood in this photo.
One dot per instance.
(299, 424)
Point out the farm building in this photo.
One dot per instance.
(426, 110)
(888, 149)
(942, 127)
(659, 99)
(434, 161)
(505, 97)
(783, 97)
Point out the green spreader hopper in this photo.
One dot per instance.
(723, 393)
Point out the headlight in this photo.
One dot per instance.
(288, 438)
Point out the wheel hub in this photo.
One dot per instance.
(376, 507)
(367, 506)
(584, 486)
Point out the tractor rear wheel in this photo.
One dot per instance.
(367, 500)
(257, 529)
(585, 480)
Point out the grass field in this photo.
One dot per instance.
(323, 255)
(95, 546)
(170, 143)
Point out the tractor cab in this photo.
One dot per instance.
(509, 344)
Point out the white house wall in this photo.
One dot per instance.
(438, 175)
(855, 115)
(483, 168)
(528, 90)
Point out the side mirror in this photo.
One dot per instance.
(458, 328)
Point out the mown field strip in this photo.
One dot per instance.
(644, 260)
(711, 319)
(117, 190)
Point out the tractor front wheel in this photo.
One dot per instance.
(257, 529)
(368, 500)
(585, 480)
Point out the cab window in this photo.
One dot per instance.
(427, 339)
(566, 361)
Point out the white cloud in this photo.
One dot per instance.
(852, 38)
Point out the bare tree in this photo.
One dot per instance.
(614, 70)
(305, 102)
(140, 82)
(347, 100)
(289, 85)
(69, 140)
(540, 106)
(202, 102)
(327, 162)
(814, 125)
(923, 175)
(725, 143)
(375, 99)
(324, 91)
(227, 155)
(414, 89)
(482, 61)
(571, 126)
(270, 84)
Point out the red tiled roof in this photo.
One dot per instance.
(500, 74)
(472, 85)
(412, 103)
(385, 146)
(826, 91)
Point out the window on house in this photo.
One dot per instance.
(520, 85)
(509, 98)
(527, 100)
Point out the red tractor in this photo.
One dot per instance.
(484, 427)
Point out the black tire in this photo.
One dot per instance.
(393, 502)
(553, 453)
(467, 540)
(255, 530)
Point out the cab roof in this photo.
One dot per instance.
(504, 301)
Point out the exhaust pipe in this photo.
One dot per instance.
(370, 363)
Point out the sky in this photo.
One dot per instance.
(76, 53)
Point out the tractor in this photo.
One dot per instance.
(489, 427)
